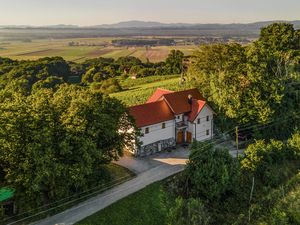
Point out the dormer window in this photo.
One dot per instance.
(198, 121)
(146, 130)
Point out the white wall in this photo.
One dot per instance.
(203, 126)
(156, 133)
(180, 118)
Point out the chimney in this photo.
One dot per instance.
(190, 99)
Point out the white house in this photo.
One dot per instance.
(169, 118)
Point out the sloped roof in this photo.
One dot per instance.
(178, 101)
(197, 106)
(151, 113)
(158, 94)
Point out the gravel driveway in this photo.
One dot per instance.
(140, 165)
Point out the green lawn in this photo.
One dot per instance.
(141, 208)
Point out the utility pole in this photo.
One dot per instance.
(237, 140)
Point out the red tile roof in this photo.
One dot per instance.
(197, 106)
(163, 105)
(178, 101)
(158, 94)
(151, 113)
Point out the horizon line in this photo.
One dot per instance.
(149, 21)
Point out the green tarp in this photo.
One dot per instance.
(6, 194)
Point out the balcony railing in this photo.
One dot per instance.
(181, 124)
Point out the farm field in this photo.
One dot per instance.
(84, 48)
(139, 90)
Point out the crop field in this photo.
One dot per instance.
(140, 90)
(84, 48)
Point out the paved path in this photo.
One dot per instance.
(149, 170)
(140, 165)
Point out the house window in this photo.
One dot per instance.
(207, 118)
(178, 117)
(198, 120)
(207, 132)
(163, 125)
(146, 130)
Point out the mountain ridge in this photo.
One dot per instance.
(153, 24)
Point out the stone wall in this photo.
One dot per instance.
(156, 147)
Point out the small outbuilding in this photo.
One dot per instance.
(7, 205)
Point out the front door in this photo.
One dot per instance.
(188, 137)
(179, 137)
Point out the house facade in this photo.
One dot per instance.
(169, 118)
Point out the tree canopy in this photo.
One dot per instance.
(53, 142)
(211, 172)
(254, 83)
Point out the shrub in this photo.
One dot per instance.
(294, 145)
(264, 160)
(211, 172)
(188, 212)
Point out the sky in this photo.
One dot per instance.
(95, 12)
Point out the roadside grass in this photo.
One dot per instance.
(118, 175)
(117, 171)
(141, 208)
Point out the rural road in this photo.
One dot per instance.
(149, 170)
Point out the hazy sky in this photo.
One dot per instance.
(93, 12)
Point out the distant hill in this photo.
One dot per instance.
(136, 28)
(151, 24)
(131, 24)
(143, 24)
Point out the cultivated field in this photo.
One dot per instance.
(83, 49)
(139, 90)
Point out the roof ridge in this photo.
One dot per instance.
(166, 101)
(194, 99)
(147, 103)
(164, 89)
(175, 92)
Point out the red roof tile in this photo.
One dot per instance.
(151, 113)
(178, 101)
(197, 106)
(158, 94)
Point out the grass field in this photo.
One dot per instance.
(141, 208)
(88, 48)
(141, 89)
